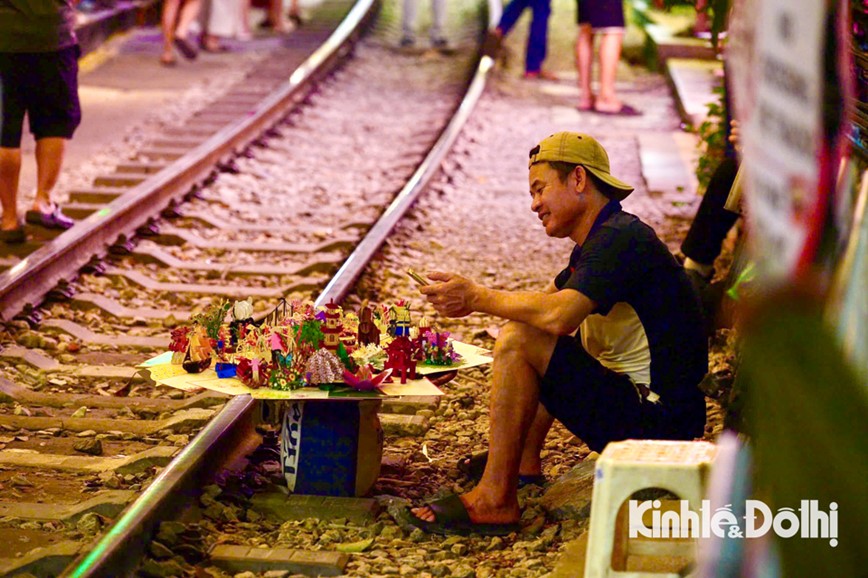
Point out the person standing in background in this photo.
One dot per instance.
(438, 20)
(38, 77)
(606, 18)
(176, 19)
(223, 19)
(537, 39)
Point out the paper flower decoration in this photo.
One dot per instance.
(324, 367)
(364, 379)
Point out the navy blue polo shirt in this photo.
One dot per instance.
(622, 259)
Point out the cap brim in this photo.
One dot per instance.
(621, 188)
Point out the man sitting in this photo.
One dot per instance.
(614, 349)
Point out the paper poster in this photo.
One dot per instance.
(783, 129)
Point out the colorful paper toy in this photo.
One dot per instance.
(298, 344)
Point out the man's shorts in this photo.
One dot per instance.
(599, 405)
(44, 85)
(601, 14)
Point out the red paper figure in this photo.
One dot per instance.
(400, 358)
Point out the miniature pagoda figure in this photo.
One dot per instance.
(332, 327)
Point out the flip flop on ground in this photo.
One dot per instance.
(452, 519)
(625, 110)
(473, 465)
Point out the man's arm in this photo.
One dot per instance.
(557, 312)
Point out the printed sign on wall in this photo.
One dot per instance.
(783, 130)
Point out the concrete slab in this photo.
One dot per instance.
(183, 421)
(247, 559)
(157, 456)
(112, 307)
(85, 335)
(10, 391)
(404, 425)
(42, 362)
(668, 161)
(283, 507)
(48, 561)
(692, 82)
(108, 503)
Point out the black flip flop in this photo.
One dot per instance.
(13, 236)
(625, 110)
(186, 48)
(452, 519)
(473, 465)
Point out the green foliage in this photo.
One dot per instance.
(212, 318)
(712, 137)
(311, 333)
(717, 9)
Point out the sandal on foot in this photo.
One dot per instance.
(53, 220)
(186, 48)
(473, 465)
(13, 236)
(625, 110)
(451, 518)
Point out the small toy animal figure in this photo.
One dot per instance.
(400, 358)
(368, 332)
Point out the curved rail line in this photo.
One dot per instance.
(228, 435)
(27, 282)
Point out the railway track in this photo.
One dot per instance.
(93, 456)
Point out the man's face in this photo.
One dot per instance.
(556, 203)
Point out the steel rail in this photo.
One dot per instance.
(111, 556)
(28, 281)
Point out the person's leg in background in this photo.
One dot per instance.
(537, 40)
(712, 222)
(10, 169)
(175, 22)
(408, 22)
(438, 24)
(584, 64)
(188, 13)
(609, 54)
(55, 113)
(511, 13)
(49, 161)
(167, 21)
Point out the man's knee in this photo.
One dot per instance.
(525, 342)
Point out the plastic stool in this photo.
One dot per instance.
(626, 467)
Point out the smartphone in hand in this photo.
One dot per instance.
(418, 278)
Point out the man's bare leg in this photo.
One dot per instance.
(531, 464)
(584, 61)
(521, 356)
(10, 169)
(49, 161)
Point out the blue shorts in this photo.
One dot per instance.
(600, 406)
(601, 14)
(44, 86)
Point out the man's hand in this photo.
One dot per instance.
(451, 295)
